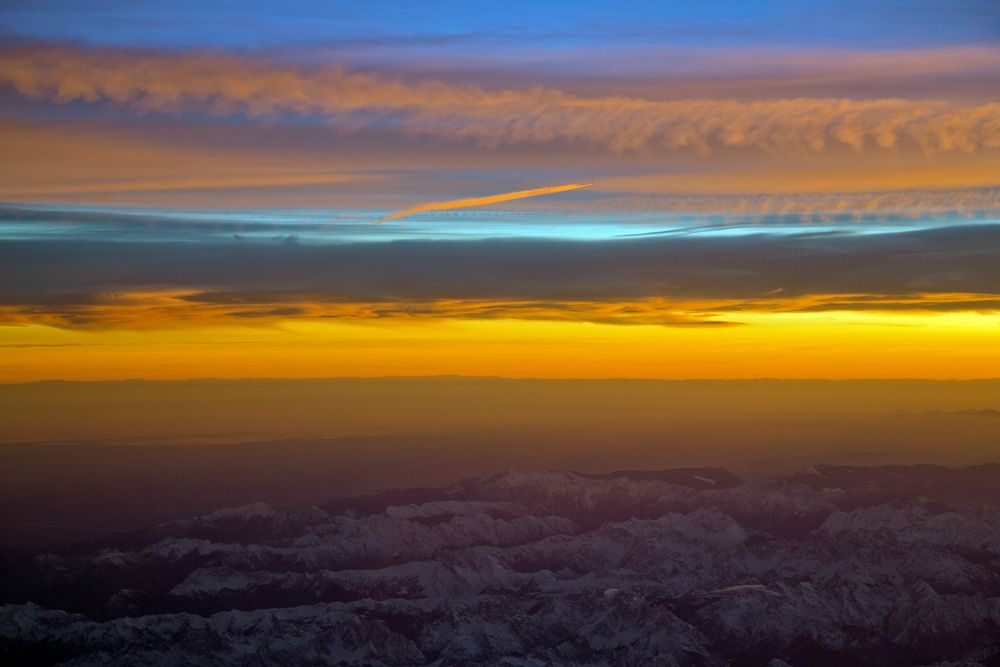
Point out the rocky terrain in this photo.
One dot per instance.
(893, 565)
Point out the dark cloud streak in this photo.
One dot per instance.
(753, 270)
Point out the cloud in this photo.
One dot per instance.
(174, 309)
(833, 180)
(471, 202)
(677, 280)
(240, 165)
(174, 184)
(211, 165)
(947, 260)
(672, 72)
(776, 206)
(203, 82)
(74, 161)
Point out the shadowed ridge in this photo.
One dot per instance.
(970, 484)
(697, 478)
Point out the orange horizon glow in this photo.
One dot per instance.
(825, 345)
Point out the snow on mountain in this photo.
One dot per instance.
(831, 566)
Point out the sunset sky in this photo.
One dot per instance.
(772, 189)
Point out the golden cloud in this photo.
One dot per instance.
(183, 309)
(228, 85)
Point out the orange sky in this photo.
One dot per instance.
(223, 124)
(902, 135)
(815, 345)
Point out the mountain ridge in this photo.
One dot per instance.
(889, 565)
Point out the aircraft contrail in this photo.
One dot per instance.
(469, 202)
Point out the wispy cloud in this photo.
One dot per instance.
(80, 160)
(675, 281)
(671, 72)
(207, 183)
(220, 84)
(471, 202)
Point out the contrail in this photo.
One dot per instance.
(469, 202)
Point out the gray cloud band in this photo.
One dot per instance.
(747, 269)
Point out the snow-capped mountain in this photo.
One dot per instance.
(896, 565)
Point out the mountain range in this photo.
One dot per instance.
(833, 565)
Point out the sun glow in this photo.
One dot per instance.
(782, 345)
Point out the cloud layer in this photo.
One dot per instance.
(214, 83)
(673, 280)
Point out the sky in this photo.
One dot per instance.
(322, 189)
